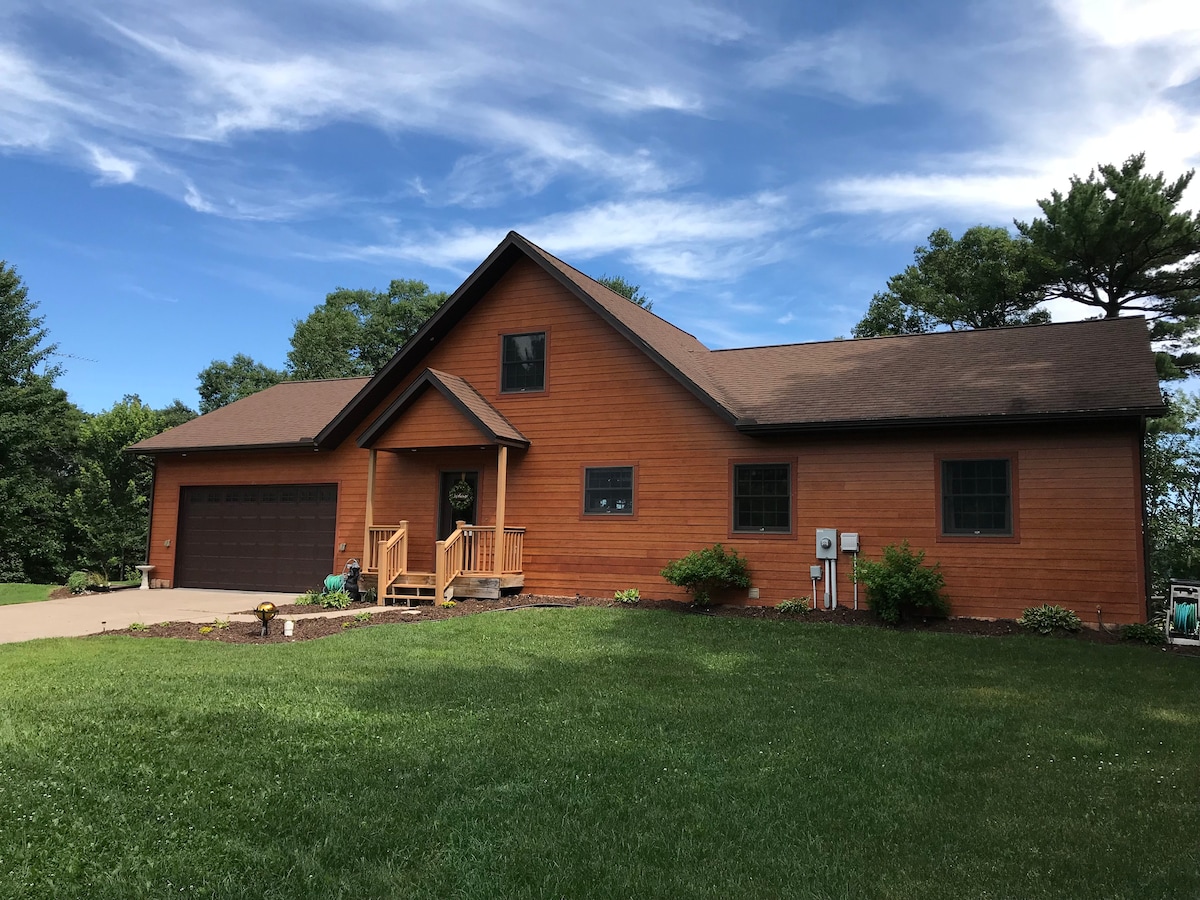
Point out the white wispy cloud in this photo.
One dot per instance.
(688, 238)
(854, 63)
(1116, 63)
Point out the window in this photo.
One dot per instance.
(977, 497)
(608, 491)
(523, 363)
(762, 498)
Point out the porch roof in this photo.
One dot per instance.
(485, 418)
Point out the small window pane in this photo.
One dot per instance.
(523, 367)
(977, 496)
(608, 491)
(762, 498)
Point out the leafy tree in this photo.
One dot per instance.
(629, 291)
(38, 434)
(1173, 491)
(222, 382)
(175, 414)
(354, 332)
(985, 279)
(109, 507)
(1118, 244)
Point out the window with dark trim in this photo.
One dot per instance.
(523, 363)
(977, 497)
(608, 491)
(762, 497)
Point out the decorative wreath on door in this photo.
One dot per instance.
(461, 496)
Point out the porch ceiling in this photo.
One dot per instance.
(440, 410)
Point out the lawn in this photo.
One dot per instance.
(24, 593)
(599, 753)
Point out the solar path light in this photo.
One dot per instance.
(265, 612)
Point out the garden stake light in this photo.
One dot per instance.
(265, 612)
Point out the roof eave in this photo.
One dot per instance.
(306, 444)
(769, 428)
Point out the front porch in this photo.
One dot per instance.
(467, 564)
(439, 426)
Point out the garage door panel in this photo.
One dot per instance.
(256, 537)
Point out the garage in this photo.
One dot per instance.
(277, 537)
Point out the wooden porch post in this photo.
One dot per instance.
(370, 513)
(501, 492)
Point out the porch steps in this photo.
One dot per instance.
(409, 587)
(423, 586)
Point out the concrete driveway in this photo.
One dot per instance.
(115, 611)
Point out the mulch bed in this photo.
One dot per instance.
(309, 629)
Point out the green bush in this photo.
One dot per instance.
(628, 596)
(309, 598)
(1144, 632)
(702, 572)
(901, 583)
(335, 600)
(795, 606)
(1046, 619)
(78, 582)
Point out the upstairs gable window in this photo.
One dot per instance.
(523, 363)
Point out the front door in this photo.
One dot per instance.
(456, 502)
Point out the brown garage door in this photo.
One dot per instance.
(276, 537)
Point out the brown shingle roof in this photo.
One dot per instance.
(490, 422)
(286, 415)
(1075, 368)
(1094, 368)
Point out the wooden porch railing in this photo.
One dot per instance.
(392, 560)
(376, 535)
(471, 550)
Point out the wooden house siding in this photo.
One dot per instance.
(607, 403)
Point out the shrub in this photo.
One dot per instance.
(629, 596)
(1144, 632)
(77, 582)
(206, 629)
(220, 624)
(901, 583)
(702, 572)
(370, 595)
(794, 606)
(138, 626)
(310, 598)
(1046, 619)
(335, 600)
(363, 616)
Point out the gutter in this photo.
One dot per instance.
(752, 427)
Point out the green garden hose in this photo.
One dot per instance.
(1185, 618)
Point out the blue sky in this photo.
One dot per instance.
(180, 181)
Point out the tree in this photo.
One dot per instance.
(355, 332)
(1173, 491)
(1118, 244)
(985, 279)
(221, 383)
(175, 414)
(629, 291)
(109, 507)
(39, 431)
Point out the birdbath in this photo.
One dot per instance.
(145, 570)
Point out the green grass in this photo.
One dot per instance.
(599, 753)
(24, 593)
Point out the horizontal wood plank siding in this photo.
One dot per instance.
(430, 421)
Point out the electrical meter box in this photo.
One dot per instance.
(827, 543)
(814, 572)
(849, 542)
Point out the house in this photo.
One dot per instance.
(585, 442)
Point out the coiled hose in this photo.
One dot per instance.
(1185, 618)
